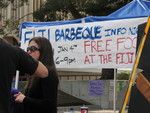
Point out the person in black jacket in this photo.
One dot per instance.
(138, 103)
(41, 94)
(11, 59)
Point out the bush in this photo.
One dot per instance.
(123, 76)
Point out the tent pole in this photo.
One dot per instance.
(132, 77)
(114, 105)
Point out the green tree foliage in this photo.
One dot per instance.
(123, 76)
(60, 9)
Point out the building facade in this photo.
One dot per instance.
(16, 12)
(21, 11)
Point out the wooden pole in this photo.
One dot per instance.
(132, 77)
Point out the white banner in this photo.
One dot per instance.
(105, 44)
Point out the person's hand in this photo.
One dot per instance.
(19, 97)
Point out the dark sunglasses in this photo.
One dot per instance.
(32, 49)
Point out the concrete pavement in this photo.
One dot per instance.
(92, 109)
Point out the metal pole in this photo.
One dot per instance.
(114, 102)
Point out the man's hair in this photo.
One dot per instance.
(12, 40)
